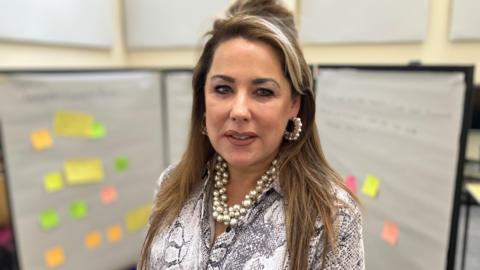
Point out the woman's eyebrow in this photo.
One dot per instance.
(265, 80)
(223, 77)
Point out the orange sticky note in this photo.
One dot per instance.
(114, 233)
(390, 233)
(108, 195)
(54, 257)
(41, 139)
(371, 185)
(93, 240)
(351, 182)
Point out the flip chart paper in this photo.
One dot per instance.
(121, 164)
(114, 233)
(49, 219)
(83, 171)
(390, 233)
(108, 195)
(54, 257)
(351, 182)
(371, 186)
(137, 218)
(98, 130)
(41, 139)
(78, 209)
(73, 124)
(53, 181)
(93, 240)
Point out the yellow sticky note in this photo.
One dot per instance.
(114, 233)
(93, 240)
(73, 124)
(371, 186)
(53, 181)
(83, 171)
(390, 233)
(41, 139)
(137, 218)
(474, 190)
(54, 257)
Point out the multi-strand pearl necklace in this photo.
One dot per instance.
(230, 215)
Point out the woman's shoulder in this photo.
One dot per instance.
(164, 176)
(348, 210)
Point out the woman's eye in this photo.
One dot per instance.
(222, 89)
(264, 92)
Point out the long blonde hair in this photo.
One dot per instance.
(306, 178)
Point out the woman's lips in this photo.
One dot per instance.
(240, 138)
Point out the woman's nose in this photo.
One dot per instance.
(240, 110)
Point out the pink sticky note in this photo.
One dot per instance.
(351, 182)
(108, 195)
(390, 233)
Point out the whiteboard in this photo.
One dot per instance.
(179, 98)
(404, 128)
(465, 20)
(128, 104)
(73, 22)
(166, 23)
(361, 21)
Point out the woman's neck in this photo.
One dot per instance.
(242, 181)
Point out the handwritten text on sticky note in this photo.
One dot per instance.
(371, 185)
(83, 171)
(137, 218)
(54, 257)
(49, 219)
(390, 233)
(73, 124)
(41, 139)
(53, 181)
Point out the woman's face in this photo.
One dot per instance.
(248, 103)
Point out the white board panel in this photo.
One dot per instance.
(128, 105)
(360, 21)
(66, 22)
(403, 128)
(166, 23)
(465, 20)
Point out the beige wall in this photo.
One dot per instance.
(436, 49)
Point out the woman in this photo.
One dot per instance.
(253, 189)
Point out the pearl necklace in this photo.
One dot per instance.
(230, 215)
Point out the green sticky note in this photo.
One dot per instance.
(121, 164)
(98, 130)
(53, 181)
(49, 219)
(78, 209)
(371, 185)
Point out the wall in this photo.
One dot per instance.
(436, 49)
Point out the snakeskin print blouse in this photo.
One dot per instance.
(257, 241)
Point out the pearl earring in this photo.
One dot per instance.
(297, 130)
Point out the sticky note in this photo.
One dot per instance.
(114, 233)
(41, 139)
(53, 181)
(137, 218)
(474, 190)
(371, 186)
(351, 183)
(108, 195)
(390, 233)
(54, 257)
(83, 171)
(49, 219)
(121, 164)
(78, 209)
(93, 240)
(98, 130)
(73, 124)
